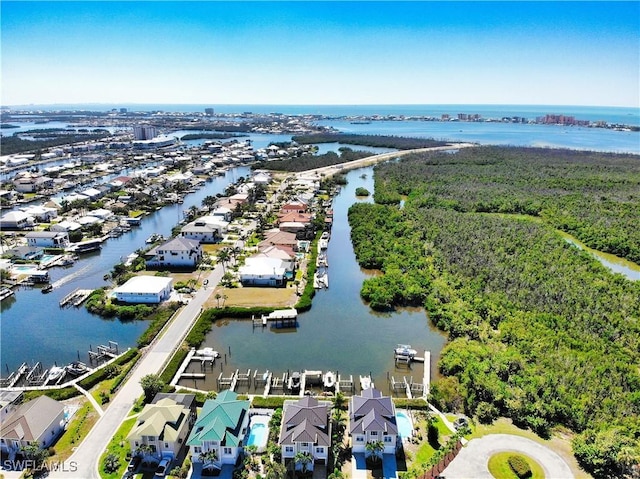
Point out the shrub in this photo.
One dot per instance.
(486, 412)
(519, 466)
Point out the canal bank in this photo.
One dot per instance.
(340, 333)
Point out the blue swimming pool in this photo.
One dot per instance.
(258, 432)
(405, 424)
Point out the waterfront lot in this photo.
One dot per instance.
(254, 297)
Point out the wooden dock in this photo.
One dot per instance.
(345, 384)
(76, 297)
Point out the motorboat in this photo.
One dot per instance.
(365, 382)
(47, 289)
(329, 380)
(77, 368)
(55, 373)
(294, 382)
(405, 350)
(208, 353)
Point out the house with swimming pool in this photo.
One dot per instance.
(217, 436)
(372, 418)
(305, 428)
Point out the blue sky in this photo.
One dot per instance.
(573, 53)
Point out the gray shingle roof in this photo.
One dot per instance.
(305, 421)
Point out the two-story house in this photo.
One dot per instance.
(305, 428)
(176, 253)
(372, 418)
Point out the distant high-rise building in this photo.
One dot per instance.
(208, 111)
(144, 132)
(123, 110)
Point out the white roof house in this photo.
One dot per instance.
(16, 220)
(261, 271)
(144, 289)
(65, 225)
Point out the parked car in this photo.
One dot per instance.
(163, 468)
(134, 463)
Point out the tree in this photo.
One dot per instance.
(224, 256)
(375, 449)
(35, 453)
(302, 459)
(218, 297)
(151, 385)
(275, 470)
(111, 463)
(336, 474)
(208, 458)
(340, 401)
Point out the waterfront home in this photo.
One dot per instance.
(52, 239)
(40, 420)
(92, 193)
(176, 253)
(275, 237)
(221, 212)
(261, 178)
(372, 418)
(162, 427)
(65, 225)
(200, 231)
(26, 182)
(305, 428)
(144, 289)
(102, 213)
(293, 207)
(28, 253)
(9, 401)
(43, 214)
(294, 217)
(264, 271)
(216, 438)
(16, 220)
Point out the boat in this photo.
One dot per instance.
(405, 350)
(329, 380)
(208, 353)
(77, 368)
(294, 382)
(85, 246)
(55, 373)
(365, 382)
(47, 289)
(154, 238)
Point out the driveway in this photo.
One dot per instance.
(473, 459)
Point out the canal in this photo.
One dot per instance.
(34, 328)
(340, 332)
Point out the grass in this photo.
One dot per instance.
(77, 429)
(119, 446)
(500, 469)
(254, 297)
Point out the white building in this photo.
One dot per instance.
(53, 239)
(176, 253)
(16, 220)
(144, 289)
(263, 271)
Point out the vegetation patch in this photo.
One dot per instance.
(539, 331)
(500, 466)
(114, 460)
(379, 141)
(310, 162)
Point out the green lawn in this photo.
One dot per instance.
(79, 426)
(119, 446)
(500, 469)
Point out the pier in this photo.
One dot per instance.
(104, 352)
(280, 317)
(344, 384)
(76, 297)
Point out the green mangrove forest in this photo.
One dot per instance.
(380, 141)
(539, 331)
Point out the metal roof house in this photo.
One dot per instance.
(372, 417)
(219, 431)
(144, 289)
(305, 428)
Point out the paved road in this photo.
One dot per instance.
(84, 462)
(473, 458)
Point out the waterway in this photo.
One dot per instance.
(33, 328)
(339, 333)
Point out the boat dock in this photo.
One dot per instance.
(104, 352)
(262, 381)
(345, 384)
(410, 387)
(76, 297)
(281, 318)
(15, 376)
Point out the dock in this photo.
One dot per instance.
(262, 381)
(280, 318)
(76, 297)
(103, 352)
(344, 384)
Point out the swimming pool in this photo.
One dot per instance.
(405, 424)
(258, 432)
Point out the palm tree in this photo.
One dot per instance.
(336, 474)
(223, 258)
(218, 297)
(208, 457)
(375, 449)
(303, 459)
(340, 401)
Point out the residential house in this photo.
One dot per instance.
(278, 238)
(264, 271)
(52, 239)
(43, 214)
(217, 435)
(372, 418)
(40, 420)
(144, 289)
(29, 253)
(305, 428)
(16, 220)
(65, 225)
(27, 182)
(294, 207)
(176, 253)
(261, 178)
(162, 427)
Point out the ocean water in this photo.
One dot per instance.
(617, 115)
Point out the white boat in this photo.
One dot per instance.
(55, 373)
(77, 368)
(405, 350)
(329, 380)
(208, 353)
(294, 382)
(365, 382)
